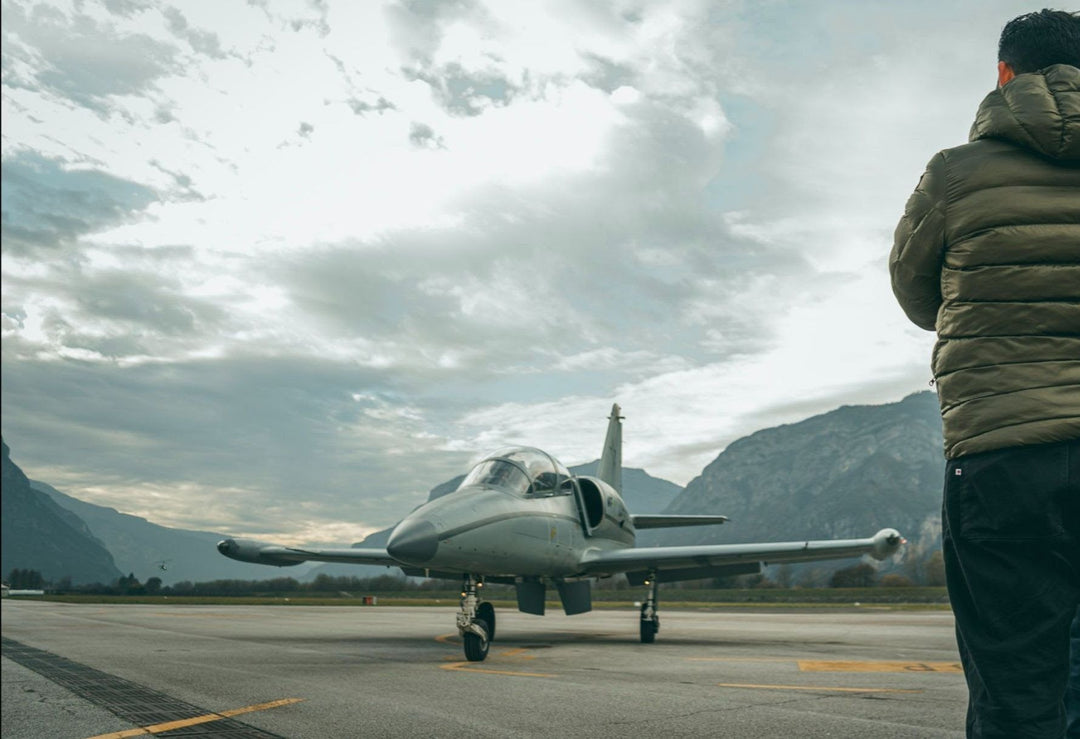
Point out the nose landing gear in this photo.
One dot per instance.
(475, 621)
(650, 618)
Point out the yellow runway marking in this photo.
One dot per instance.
(815, 688)
(230, 616)
(183, 723)
(740, 659)
(458, 666)
(887, 666)
(464, 667)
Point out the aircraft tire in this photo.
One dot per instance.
(649, 627)
(476, 649)
(486, 612)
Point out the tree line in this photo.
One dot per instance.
(131, 585)
(930, 571)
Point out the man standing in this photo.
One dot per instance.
(988, 255)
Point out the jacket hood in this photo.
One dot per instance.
(1039, 111)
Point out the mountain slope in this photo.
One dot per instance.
(139, 546)
(37, 534)
(846, 473)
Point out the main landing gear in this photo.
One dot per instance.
(650, 619)
(476, 620)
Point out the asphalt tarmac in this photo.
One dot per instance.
(296, 671)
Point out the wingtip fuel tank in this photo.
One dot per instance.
(886, 543)
(256, 552)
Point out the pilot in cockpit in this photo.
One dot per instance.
(502, 475)
(545, 483)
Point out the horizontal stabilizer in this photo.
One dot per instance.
(663, 522)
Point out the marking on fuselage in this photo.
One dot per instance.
(465, 667)
(472, 526)
(882, 666)
(184, 723)
(815, 688)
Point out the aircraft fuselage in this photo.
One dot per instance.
(520, 516)
(493, 532)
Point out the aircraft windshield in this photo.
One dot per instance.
(546, 473)
(500, 474)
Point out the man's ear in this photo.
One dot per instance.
(1005, 73)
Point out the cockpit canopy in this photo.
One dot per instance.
(521, 470)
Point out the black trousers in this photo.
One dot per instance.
(1011, 537)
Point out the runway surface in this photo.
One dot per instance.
(295, 671)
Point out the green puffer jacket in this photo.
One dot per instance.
(988, 253)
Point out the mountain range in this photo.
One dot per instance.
(37, 534)
(846, 473)
(146, 549)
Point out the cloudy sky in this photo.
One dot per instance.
(278, 268)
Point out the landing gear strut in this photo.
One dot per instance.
(650, 619)
(475, 621)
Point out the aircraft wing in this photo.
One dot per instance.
(264, 553)
(689, 562)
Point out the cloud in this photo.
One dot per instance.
(490, 221)
(49, 205)
(421, 135)
(360, 107)
(463, 93)
(255, 429)
(203, 42)
(80, 58)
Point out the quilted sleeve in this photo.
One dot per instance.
(919, 248)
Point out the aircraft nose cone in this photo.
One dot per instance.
(413, 542)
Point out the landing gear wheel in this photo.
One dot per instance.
(476, 648)
(649, 627)
(486, 611)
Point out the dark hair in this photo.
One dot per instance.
(1034, 41)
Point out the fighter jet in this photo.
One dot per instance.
(520, 517)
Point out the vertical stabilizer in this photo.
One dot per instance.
(610, 468)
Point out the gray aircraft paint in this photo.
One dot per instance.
(551, 526)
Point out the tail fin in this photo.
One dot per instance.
(610, 468)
